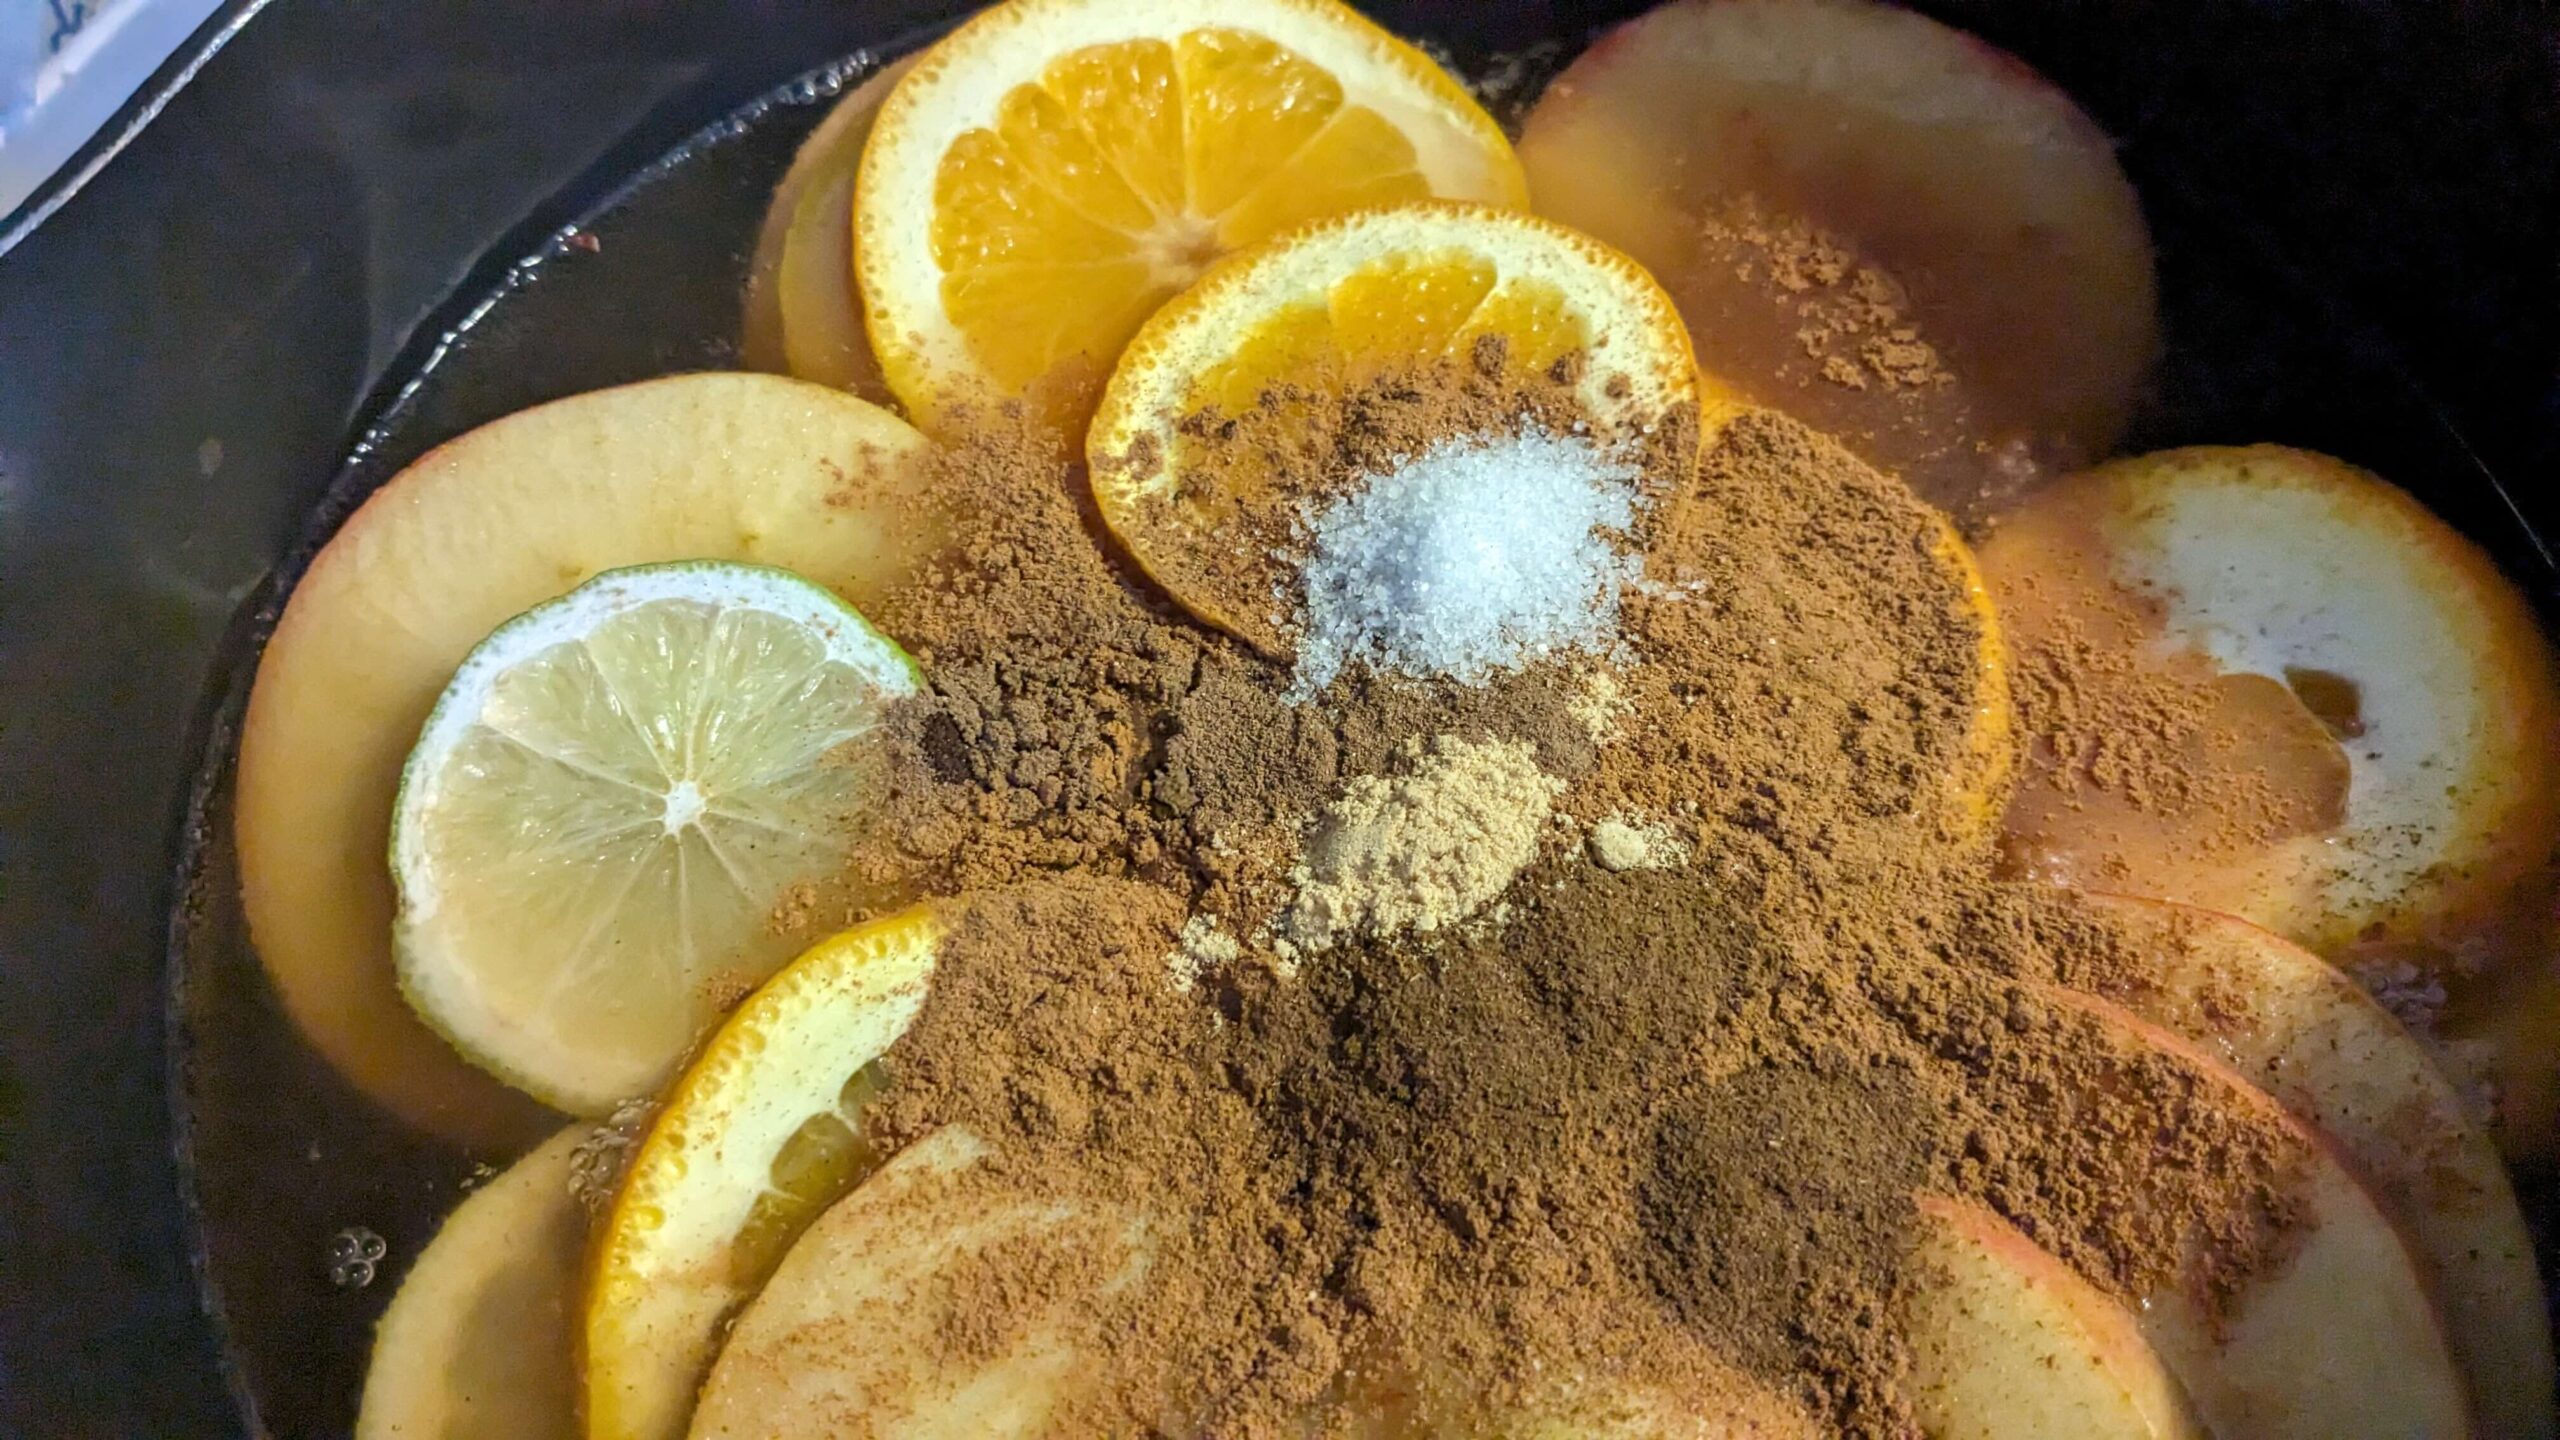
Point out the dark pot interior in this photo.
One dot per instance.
(250, 318)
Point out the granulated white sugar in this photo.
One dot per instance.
(1481, 554)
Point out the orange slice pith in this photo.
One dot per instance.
(1055, 169)
(1336, 301)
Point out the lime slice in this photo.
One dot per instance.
(477, 1341)
(762, 1134)
(612, 808)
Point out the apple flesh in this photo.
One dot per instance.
(2321, 1047)
(477, 1341)
(1789, 168)
(1738, 1412)
(2339, 1340)
(848, 1336)
(520, 511)
(1394, 1400)
(2009, 1343)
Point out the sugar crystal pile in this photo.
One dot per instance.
(1481, 554)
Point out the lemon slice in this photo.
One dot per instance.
(477, 1341)
(1055, 169)
(1329, 303)
(761, 1134)
(611, 806)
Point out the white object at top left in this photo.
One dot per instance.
(65, 68)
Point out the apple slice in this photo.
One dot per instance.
(801, 314)
(2310, 1037)
(848, 1337)
(476, 1343)
(517, 512)
(2006, 1341)
(1386, 1396)
(1833, 188)
(2339, 1341)
(2009, 1343)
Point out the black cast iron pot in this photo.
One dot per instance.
(237, 312)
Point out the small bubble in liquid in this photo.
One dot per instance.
(354, 1254)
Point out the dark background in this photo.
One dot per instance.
(2359, 213)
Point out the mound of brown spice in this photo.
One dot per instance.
(1599, 1135)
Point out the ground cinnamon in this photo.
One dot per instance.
(2138, 753)
(1832, 337)
(1631, 1129)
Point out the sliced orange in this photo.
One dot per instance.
(1056, 169)
(2423, 694)
(762, 1133)
(1340, 300)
